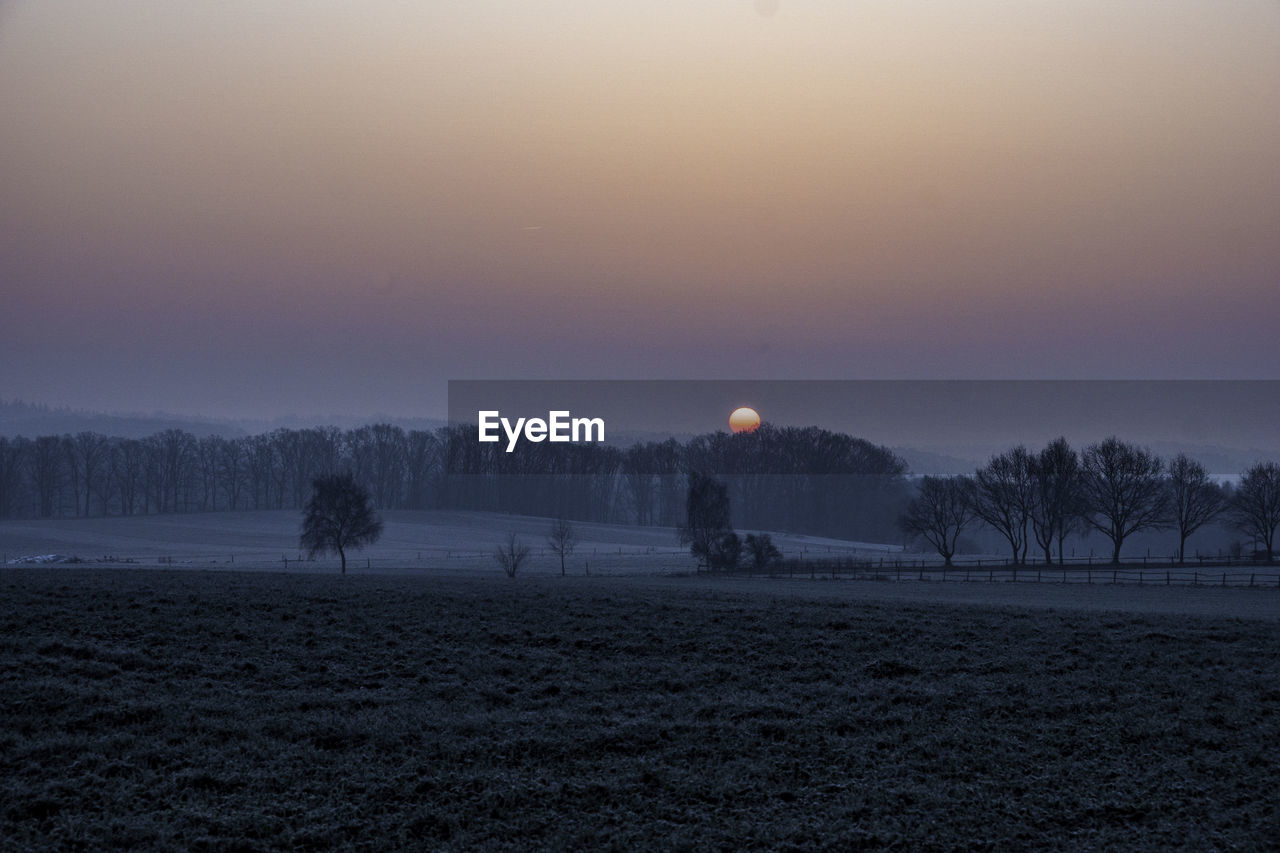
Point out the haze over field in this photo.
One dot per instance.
(251, 209)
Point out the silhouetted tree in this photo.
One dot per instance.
(128, 463)
(1123, 490)
(12, 464)
(47, 472)
(1255, 506)
(562, 540)
(1194, 499)
(1056, 496)
(231, 470)
(943, 507)
(726, 553)
(762, 550)
(208, 450)
(706, 518)
(511, 554)
(1004, 497)
(339, 516)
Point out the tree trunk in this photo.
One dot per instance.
(1115, 554)
(343, 554)
(1182, 548)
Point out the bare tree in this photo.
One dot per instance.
(231, 469)
(12, 463)
(706, 519)
(1194, 499)
(1123, 490)
(510, 554)
(208, 450)
(128, 463)
(762, 550)
(48, 474)
(941, 510)
(562, 540)
(1055, 477)
(1255, 506)
(339, 516)
(86, 454)
(1005, 496)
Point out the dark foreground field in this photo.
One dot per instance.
(222, 711)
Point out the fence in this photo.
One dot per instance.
(1144, 572)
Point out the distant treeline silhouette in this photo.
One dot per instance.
(1113, 488)
(801, 479)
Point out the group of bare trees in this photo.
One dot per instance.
(1114, 488)
(173, 471)
(562, 540)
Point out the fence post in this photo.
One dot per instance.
(1251, 580)
(1195, 578)
(1166, 578)
(1224, 578)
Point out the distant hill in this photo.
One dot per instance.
(31, 419)
(254, 427)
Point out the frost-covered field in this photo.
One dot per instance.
(435, 542)
(230, 710)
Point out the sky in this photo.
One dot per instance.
(248, 208)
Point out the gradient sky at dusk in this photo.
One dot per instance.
(258, 208)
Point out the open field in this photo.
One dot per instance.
(437, 541)
(227, 710)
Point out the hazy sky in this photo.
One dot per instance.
(256, 208)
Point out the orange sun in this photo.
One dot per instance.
(744, 419)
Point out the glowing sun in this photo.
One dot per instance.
(744, 419)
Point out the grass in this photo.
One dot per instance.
(225, 711)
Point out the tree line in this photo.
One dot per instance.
(1112, 487)
(806, 480)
